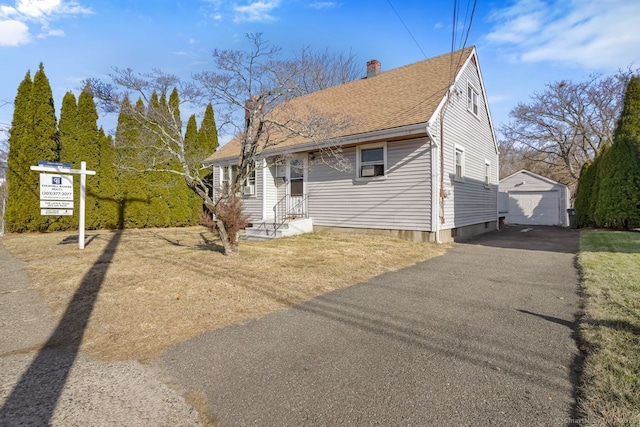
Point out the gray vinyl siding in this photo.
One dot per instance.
(253, 204)
(271, 191)
(216, 181)
(401, 201)
(469, 201)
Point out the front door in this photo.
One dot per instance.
(296, 186)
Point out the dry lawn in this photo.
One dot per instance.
(159, 287)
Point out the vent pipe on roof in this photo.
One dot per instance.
(373, 68)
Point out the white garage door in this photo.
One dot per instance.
(534, 208)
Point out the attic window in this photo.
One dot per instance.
(472, 99)
(372, 160)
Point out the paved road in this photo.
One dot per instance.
(481, 336)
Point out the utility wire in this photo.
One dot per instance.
(454, 36)
(407, 28)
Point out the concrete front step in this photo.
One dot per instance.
(265, 230)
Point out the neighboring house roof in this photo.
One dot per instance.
(535, 175)
(400, 97)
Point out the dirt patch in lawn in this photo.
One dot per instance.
(163, 286)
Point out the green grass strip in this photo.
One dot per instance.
(610, 327)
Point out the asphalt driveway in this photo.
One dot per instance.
(481, 336)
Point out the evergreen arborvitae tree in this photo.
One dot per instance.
(133, 210)
(191, 132)
(582, 203)
(89, 140)
(38, 142)
(599, 168)
(158, 189)
(207, 144)
(19, 175)
(191, 140)
(184, 210)
(70, 150)
(618, 203)
(208, 133)
(174, 108)
(108, 184)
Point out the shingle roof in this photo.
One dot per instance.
(399, 97)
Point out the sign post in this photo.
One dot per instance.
(57, 192)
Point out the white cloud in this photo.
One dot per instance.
(257, 11)
(323, 5)
(51, 33)
(16, 20)
(596, 34)
(13, 33)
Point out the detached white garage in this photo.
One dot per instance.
(527, 198)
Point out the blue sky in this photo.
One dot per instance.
(522, 44)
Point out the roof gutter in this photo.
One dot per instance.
(435, 199)
(414, 129)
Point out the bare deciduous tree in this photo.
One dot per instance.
(567, 123)
(314, 71)
(246, 86)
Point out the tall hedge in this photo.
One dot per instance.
(109, 192)
(582, 203)
(618, 204)
(18, 173)
(70, 150)
(133, 210)
(33, 137)
(90, 143)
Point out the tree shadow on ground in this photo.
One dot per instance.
(74, 238)
(206, 245)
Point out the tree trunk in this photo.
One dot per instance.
(230, 248)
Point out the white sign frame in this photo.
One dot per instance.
(83, 172)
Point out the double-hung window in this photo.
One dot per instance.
(472, 99)
(371, 160)
(249, 187)
(487, 173)
(227, 174)
(459, 162)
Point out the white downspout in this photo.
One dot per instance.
(435, 182)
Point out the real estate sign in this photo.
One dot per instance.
(56, 194)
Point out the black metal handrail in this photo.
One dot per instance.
(285, 210)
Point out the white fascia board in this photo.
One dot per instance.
(384, 134)
(535, 175)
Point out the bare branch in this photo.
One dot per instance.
(569, 122)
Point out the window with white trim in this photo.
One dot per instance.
(371, 160)
(472, 99)
(487, 173)
(249, 187)
(459, 162)
(227, 174)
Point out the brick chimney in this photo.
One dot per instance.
(373, 68)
